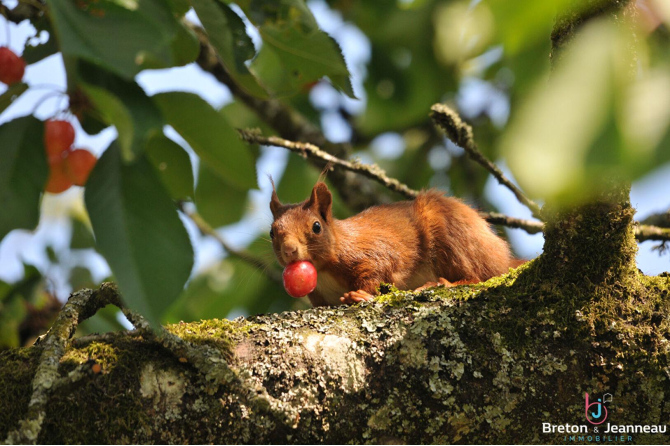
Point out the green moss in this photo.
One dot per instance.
(221, 334)
(102, 353)
(591, 244)
(18, 367)
(392, 296)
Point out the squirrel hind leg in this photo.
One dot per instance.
(354, 297)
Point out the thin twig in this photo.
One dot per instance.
(306, 150)
(374, 172)
(106, 338)
(460, 134)
(530, 226)
(642, 232)
(646, 232)
(205, 229)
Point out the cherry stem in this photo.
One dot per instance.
(45, 98)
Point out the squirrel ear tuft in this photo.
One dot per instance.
(275, 204)
(321, 201)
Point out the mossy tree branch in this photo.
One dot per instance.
(592, 244)
(53, 345)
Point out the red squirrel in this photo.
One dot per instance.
(428, 241)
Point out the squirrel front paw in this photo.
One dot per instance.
(354, 297)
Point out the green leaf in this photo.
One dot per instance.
(241, 116)
(179, 7)
(123, 104)
(32, 54)
(23, 173)
(227, 34)
(13, 92)
(209, 134)
(82, 237)
(218, 202)
(113, 112)
(173, 166)
(139, 233)
(520, 24)
(185, 46)
(13, 300)
(118, 35)
(304, 58)
(295, 51)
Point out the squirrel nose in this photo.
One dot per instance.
(290, 251)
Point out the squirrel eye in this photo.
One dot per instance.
(316, 227)
(272, 233)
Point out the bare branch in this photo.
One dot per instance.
(646, 232)
(107, 338)
(307, 151)
(530, 226)
(461, 134)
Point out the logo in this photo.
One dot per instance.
(596, 430)
(596, 412)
